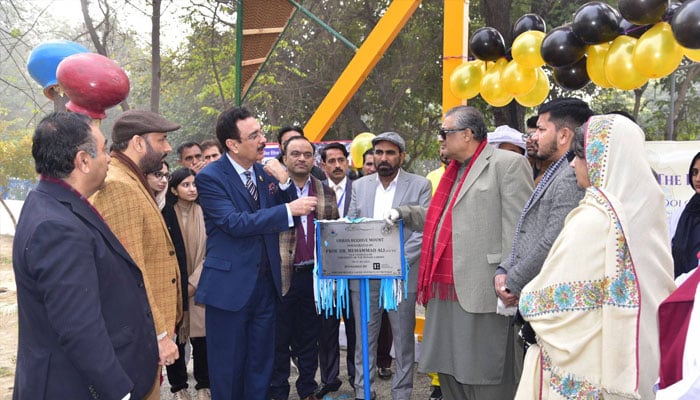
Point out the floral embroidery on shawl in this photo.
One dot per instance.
(568, 385)
(597, 150)
(620, 290)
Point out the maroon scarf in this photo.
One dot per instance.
(135, 169)
(436, 278)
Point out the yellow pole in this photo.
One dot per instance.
(455, 43)
(367, 56)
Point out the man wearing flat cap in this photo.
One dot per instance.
(139, 143)
(372, 197)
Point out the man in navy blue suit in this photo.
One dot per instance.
(245, 207)
(85, 324)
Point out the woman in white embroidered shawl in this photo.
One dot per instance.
(593, 306)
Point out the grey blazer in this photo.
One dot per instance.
(484, 217)
(411, 189)
(541, 225)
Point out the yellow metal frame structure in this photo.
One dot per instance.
(456, 17)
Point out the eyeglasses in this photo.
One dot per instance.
(255, 135)
(161, 175)
(299, 154)
(527, 136)
(444, 132)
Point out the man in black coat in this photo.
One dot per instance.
(85, 324)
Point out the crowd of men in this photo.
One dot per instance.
(99, 285)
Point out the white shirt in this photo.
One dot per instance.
(340, 195)
(384, 198)
(303, 192)
(241, 172)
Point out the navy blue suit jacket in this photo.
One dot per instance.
(237, 232)
(85, 325)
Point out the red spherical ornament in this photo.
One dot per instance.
(93, 83)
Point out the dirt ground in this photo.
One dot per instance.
(8, 319)
(8, 347)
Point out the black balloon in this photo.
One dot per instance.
(629, 29)
(643, 12)
(573, 77)
(561, 47)
(672, 7)
(529, 22)
(686, 24)
(487, 44)
(596, 22)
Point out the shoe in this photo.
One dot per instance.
(323, 390)
(384, 373)
(203, 394)
(182, 394)
(436, 394)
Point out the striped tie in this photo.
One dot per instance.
(252, 189)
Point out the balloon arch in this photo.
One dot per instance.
(623, 49)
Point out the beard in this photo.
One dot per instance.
(152, 160)
(386, 169)
(548, 151)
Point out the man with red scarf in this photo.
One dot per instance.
(467, 229)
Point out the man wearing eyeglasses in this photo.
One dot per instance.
(297, 324)
(245, 208)
(466, 231)
(539, 166)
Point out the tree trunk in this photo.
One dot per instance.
(678, 111)
(7, 208)
(155, 56)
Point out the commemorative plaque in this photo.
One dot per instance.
(367, 249)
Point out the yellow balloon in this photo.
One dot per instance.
(492, 88)
(657, 53)
(692, 54)
(359, 145)
(517, 79)
(466, 79)
(527, 47)
(619, 68)
(595, 64)
(538, 94)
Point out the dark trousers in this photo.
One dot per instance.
(384, 343)
(177, 372)
(296, 337)
(241, 347)
(329, 349)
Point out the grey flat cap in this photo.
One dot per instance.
(391, 137)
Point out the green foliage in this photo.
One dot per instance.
(15, 152)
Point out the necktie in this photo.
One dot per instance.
(252, 189)
(339, 195)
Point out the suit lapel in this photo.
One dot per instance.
(263, 192)
(540, 193)
(368, 203)
(480, 164)
(236, 182)
(401, 189)
(84, 212)
(151, 201)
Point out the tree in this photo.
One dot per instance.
(16, 156)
